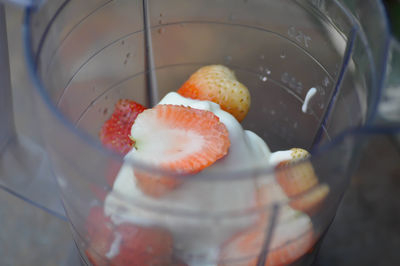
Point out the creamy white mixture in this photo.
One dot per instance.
(192, 212)
(310, 94)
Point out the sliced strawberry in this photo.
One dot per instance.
(218, 84)
(155, 185)
(244, 248)
(115, 131)
(125, 244)
(177, 138)
(300, 182)
(289, 253)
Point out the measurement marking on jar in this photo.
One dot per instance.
(292, 82)
(299, 36)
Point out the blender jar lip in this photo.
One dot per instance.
(226, 174)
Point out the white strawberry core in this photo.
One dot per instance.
(157, 144)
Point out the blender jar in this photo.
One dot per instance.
(86, 55)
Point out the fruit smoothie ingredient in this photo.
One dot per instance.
(196, 132)
(244, 248)
(126, 244)
(115, 132)
(299, 181)
(218, 84)
(181, 139)
(176, 138)
(196, 238)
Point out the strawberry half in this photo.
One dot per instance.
(292, 237)
(176, 138)
(248, 244)
(115, 132)
(218, 84)
(126, 244)
(300, 182)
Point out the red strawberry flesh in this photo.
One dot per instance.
(115, 131)
(178, 138)
(126, 244)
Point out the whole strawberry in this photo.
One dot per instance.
(218, 84)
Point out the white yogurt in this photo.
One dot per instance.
(198, 238)
(280, 156)
(114, 248)
(310, 94)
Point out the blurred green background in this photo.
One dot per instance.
(393, 8)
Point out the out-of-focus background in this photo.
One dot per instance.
(366, 230)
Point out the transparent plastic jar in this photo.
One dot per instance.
(86, 55)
